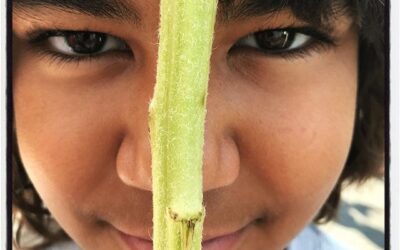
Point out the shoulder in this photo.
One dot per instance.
(314, 239)
(66, 245)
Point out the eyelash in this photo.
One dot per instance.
(319, 41)
(37, 39)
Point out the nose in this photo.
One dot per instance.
(133, 162)
(221, 154)
(221, 158)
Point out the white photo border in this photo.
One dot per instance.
(394, 124)
(3, 126)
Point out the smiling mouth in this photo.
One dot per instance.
(223, 242)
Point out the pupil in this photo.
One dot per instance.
(274, 39)
(85, 42)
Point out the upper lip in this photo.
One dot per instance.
(140, 234)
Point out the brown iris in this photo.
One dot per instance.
(274, 39)
(85, 42)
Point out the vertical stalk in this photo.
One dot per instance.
(177, 116)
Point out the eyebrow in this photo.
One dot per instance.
(310, 11)
(98, 8)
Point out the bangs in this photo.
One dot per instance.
(316, 12)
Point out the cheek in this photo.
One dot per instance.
(68, 138)
(297, 132)
(68, 133)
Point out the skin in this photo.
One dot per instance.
(278, 130)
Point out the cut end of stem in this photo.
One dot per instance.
(187, 232)
(187, 226)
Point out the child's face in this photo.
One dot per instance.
(278, 131)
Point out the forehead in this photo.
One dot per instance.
(311, 11)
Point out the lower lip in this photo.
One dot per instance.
(135, 243)
(226, 242)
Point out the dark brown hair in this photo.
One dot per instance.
(367, 150)
(366, 157)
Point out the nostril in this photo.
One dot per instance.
(133, 163)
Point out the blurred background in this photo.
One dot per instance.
(360, 222)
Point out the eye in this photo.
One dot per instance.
(276, 41)
(84, 43)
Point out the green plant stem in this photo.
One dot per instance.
(177, 117)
